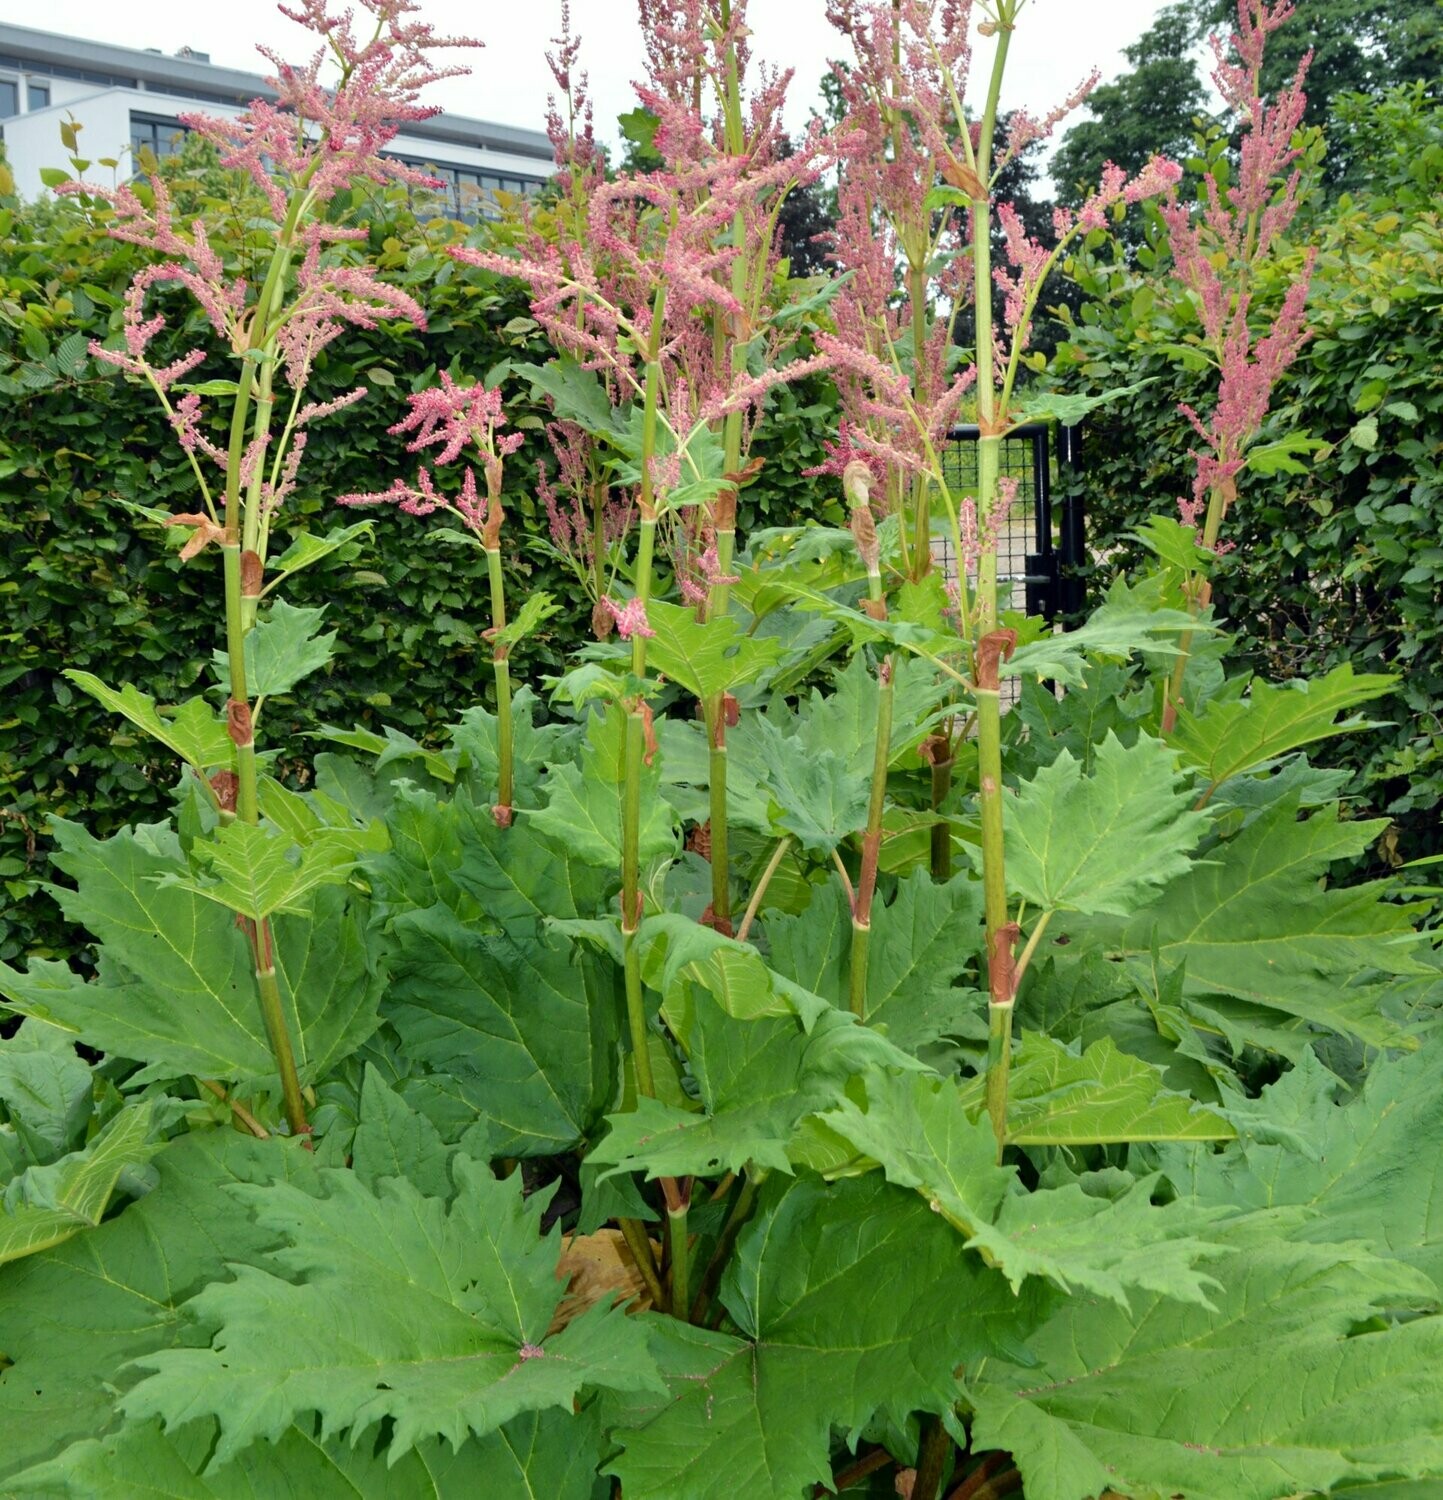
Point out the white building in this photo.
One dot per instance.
(126, 98)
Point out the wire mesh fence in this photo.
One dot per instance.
(1017, 531)
(1037, 551)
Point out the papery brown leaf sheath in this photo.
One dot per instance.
(1002, 965)
(993, 649)
(238, 723)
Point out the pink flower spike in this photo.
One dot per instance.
(454, 416)
(630, 618)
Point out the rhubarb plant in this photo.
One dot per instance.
(749, 1060)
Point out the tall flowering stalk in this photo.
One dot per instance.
(893, 356)
(301, 150)
(653, 283)
(857, 483)
(453, 419)
(1218, 250)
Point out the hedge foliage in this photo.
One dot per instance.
(1339, 555)
(84, 582)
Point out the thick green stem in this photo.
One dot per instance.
(633, 1231)
(989, 764)
(714, 712)
(680, 1242)
(754, 905)
(941, 829)
(500, 666)
(721, 900)
(736, 1220)
(1199, 597)
(871, 845)
(994, 893)
(987, 651)
(278, 1034)
(598, 537)
(999, 1068)
(238, 711)
(636, 733)
(631, 902)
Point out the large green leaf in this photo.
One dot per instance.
(818, 797)
(705, 659)
(256, 870)
(1260, 1396)
(1058, 406)
(74, 1315)
(1118, 628)
(1256, 922)
(519, 877)
(195, 731)
(1104, 842)
(536, 749)
(1367, 1168)
(577, 395)
(46, 1090)
(307, 548)
(46, 1205)
(1057, 1097)
(852, 1300)
(583, 814)
(429, 838)
(922, 941)
(1080, 718)
(844, 719)
(1231, 736)
(757, 1078)
(281, 649)
(923, 1135)
(546, 1453)
(176, 988)
(394, 1140)
(391, 1307)
(527, 1033)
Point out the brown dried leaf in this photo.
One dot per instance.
(596, 1266)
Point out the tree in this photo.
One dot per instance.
(1148, 109)
(807, 212)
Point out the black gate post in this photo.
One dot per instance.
(1042, 594)
(1072, 537)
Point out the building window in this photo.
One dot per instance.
(63, 70)
(37, 94)
(468, 194)
(9, 98)
(162, 136)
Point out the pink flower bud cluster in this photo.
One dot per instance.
(569, 513)
(573, 138)
(641, 269)
(322, 138)
(300, 150)
(630, 617)
(979, 538)
(454, 417)
(1218, 248)
(901, 95)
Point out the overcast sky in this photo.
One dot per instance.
(1057, 42)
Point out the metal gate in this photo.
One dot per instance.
(1043, 545)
